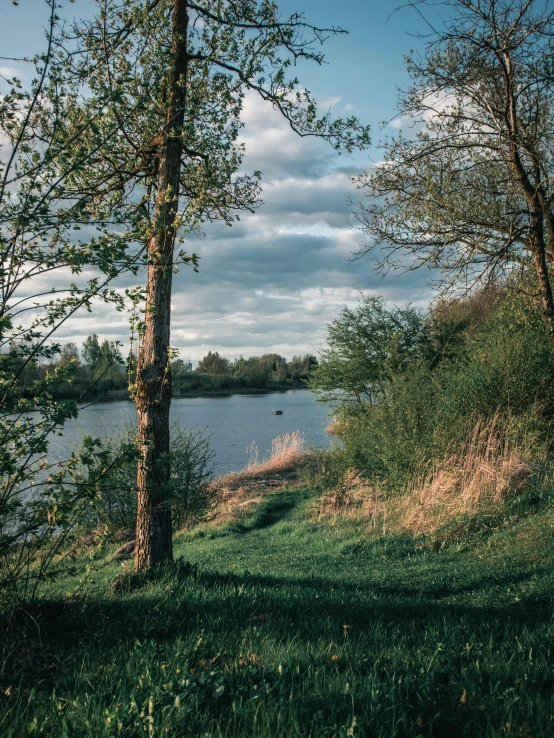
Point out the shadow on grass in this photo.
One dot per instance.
(234, 601)
(271, 511)
(225, 611)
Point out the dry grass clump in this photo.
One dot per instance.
(237, 491)
(285, 452)
(488, 469)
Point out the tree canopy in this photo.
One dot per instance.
(468, 189)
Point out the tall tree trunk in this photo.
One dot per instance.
(153, 378)
(541, 270)
(531, 191)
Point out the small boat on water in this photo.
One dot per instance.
(277, 412)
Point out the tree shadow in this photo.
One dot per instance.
(305, 603)
(226, 608)
(270, 511)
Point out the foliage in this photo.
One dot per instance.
(366, 345)
(468, 189)
(461, 367)
(91, 352)
(42, 516)
(508, 368)
(48, 230)
(189, 495)
(172, 77)
(213, 363)
(77, 380)
(125, 55)
(216, 373)
(98, 371)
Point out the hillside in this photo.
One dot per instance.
(285, 622)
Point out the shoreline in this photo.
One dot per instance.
(214, 393)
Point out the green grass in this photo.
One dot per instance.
(445, 638)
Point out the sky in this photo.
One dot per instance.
(273, 281)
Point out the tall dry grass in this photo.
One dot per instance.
(237, 491)
(489, 468)
(285, 451)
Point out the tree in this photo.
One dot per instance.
(472, 193)
(191, 467)
(183, 67)
(69, 353)
(255, 371)
(92, 354)
(364, 347)
(300, 367)
(213, 363)
(42, 218)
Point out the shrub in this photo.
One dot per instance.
(191, 472)
(508, 368)
(460, 366)
(189, 495)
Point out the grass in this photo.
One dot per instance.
(483, 475)
(236, 491)
(285, 453)
(283, 624)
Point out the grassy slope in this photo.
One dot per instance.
(443, 640)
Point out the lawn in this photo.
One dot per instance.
(286, 625)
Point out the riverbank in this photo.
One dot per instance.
(124, 395)
(280, 621)
(119, 395)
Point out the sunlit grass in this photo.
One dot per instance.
(285, 452)
(289, 626)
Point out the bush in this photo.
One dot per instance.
(458, 367)
(508, 367)
(190, 495)
(191, 473)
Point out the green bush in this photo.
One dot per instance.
(190, 494)
(508, 367)
(399, 410)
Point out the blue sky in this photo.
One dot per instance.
(274, 280)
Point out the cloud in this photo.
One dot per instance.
(434, 105)
(275, 150)
(276, 278)
(9, 72)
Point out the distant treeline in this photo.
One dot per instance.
(99, 370)
(216, 373)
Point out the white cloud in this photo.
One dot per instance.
(433, 104)
(9, 72)
(274, 280)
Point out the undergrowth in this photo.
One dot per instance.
(282, 623)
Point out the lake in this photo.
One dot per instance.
(235, 421)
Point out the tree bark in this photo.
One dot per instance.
(541, 270)
(536, 239)
(536, 232)
(532, 193)
(153, 378)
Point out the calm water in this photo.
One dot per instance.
(236, 421)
